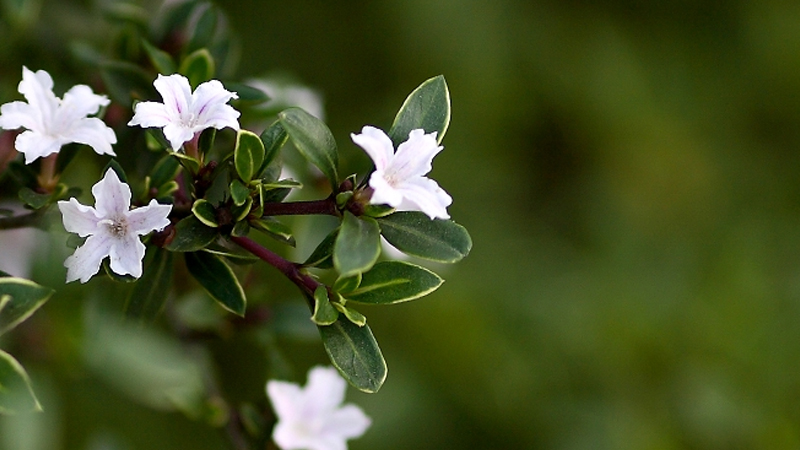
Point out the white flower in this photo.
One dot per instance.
(183, 113)
(311, 418)
(398, 180)
(52, 122)
(113, 229)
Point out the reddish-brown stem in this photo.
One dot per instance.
(288, 268)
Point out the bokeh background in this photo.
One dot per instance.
(630, 174)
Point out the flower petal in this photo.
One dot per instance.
(177, 134)
(79, 102)
(37, 87)
(148, 218)
(19, 115)
(176, 93)
(377, 145)
(149, 115)
(85, 262)
(210, 108)
(290, 436)
(324, 391)
(112, 197)
(424, 194)
(36, 145)
(286, 399)
(126, 255)
(78, 218)
(414, 157)
(383, 192)
(94, 133)
(347, 422)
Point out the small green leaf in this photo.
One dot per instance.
(347, 284)
(273, 138)
(233, 254)
(351, 314)
(114, 165)
(204, 29)
(16, 394)
(248, 154)
(239, 192)
(21, 298)
(281, 184)
(428, 107)
(205, 212)
(414, 233)
(188, 163)
(355, 352)
(191, 235)
(166, 169)
(241, 229)
(392, 282)
(357, 246)
(34, 199)
(218, 280)
(313, 140)
(324, 313)
(322, 256)
(198, 67)
(161, 60)
(150, 292)
(206, 140)
(241, 211)
(274, 228)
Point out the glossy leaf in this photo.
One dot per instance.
(274, 137)
(414, 233)
(347, 284)
(191, 235)
(206, 140)
(188, 163)
(428, 107)
(357, 246)
(34, 199)
(313, 140)
(239, 192)
(233, 254)
(324, 312)
(205, 212)
(392, 282)
(322, 256)
(275, 229)
(19, 298)
(218, 280)
(198, 67)
(351, 314)
(355, 352)
(166, 169)
(150, 292)
(16, 394)
(248, 154)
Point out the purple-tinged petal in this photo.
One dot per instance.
(177, 95)
(78, 218)
(150, 115)
(414, 157)
(126, 255)
(85, 262)
(94, 133)
(377, 145)
(152, 217)
(36, 145)
(209, 105)
(112, 197)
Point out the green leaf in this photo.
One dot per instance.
(205, 212)
(20, 299)
(204, 29)
(126, 82)
(191, 235)
(392, 282)
(351, 314)
(324, 313)
(273, 138)
(347, 284)
(218, 280)
(428, 107)
(206, 140)
(198, 67)
(161, 60)
(313, 140)
(150, 292)
(34, 199)
(357, 246)
(322, 256)
(355, 352)
(166, 169)
(239, 192)
(414, 233)
(188, 163)
(248, 154)
(114, 165)
(241, 211)
(275, 229)
(16, 394)
(233, 254)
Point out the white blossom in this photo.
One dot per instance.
(51, 122)
(185, 113)
(312, 418)
(399, 178)
(113, 229)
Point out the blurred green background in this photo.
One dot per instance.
(628, 170)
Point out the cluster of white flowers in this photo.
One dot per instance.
(49, 123)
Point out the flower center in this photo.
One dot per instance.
(117, 227)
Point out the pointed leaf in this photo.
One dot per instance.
(428, 107)
(218, 280)
(16, 394)
(205, 212)
(355, 352)
(150, 293)
(239, 192)
(20, 299)
(357, 246)
(351, 314)
(414, 233)
(275, 229)
(191, 235)
(324, 312)
(161, 60)
(165, 170)
(273, 138)
(198, 67)
(248, 154)
(313, 140)
(392, 282)
(322, 256)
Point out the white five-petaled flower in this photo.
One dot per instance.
(184, 113)
(51, 122)
(311, 418)
(113, 229)
(399, 178)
